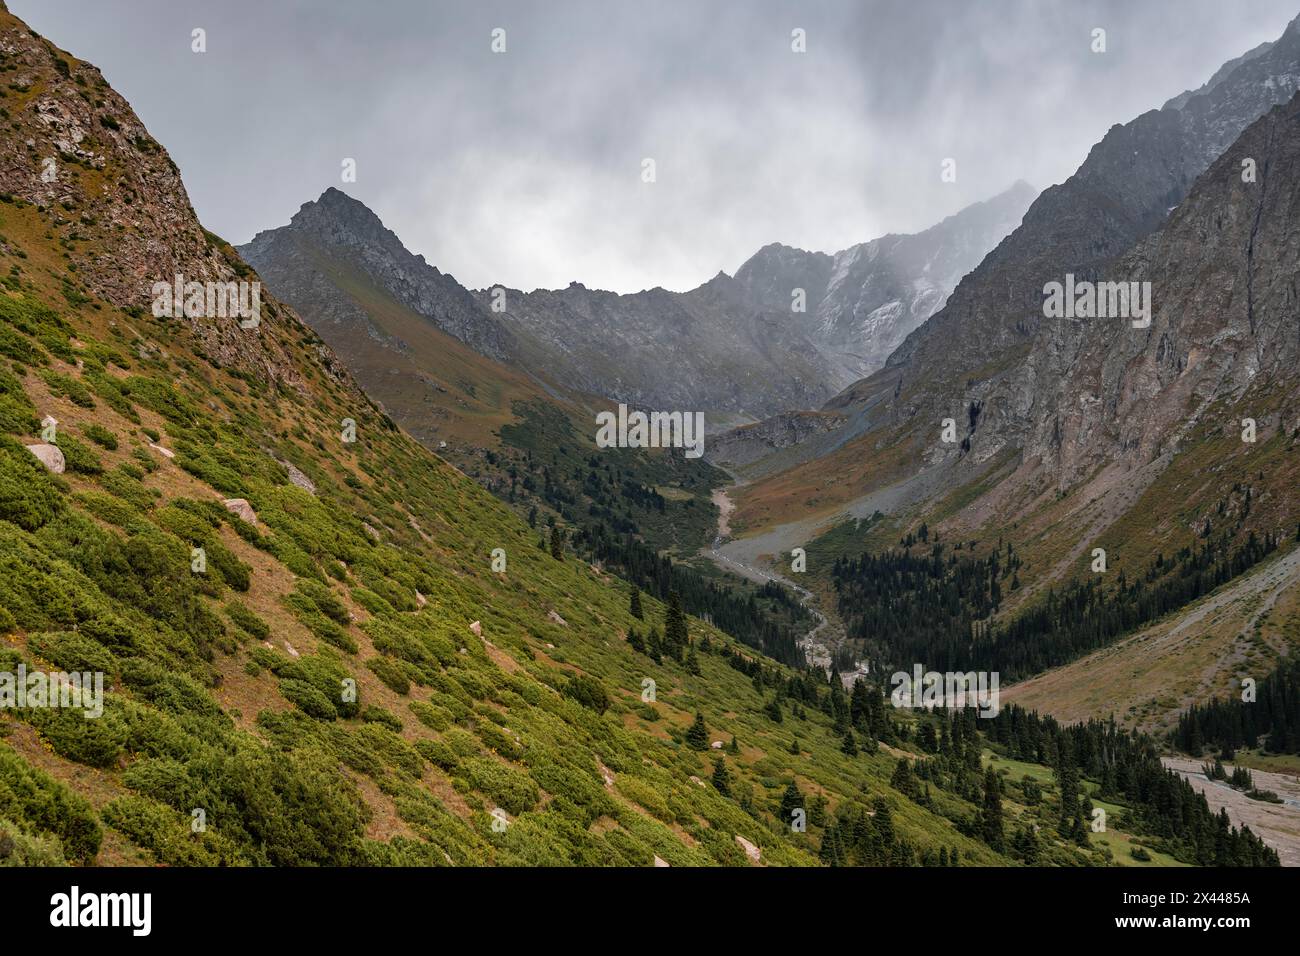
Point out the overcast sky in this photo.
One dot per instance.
(525, 167)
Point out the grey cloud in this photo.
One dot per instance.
(524, 168)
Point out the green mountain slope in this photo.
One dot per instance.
(308, 655)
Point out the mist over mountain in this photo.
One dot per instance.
(741, 347)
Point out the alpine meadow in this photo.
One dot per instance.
(972, 541)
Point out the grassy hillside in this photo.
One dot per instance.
(227, 686)
(308, 653)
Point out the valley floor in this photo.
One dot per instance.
(1278, 824)
(740, 557)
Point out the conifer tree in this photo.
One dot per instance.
(654, 646)
(697, 738)
(817, 812)
(832, 851)
(636, 603)
(676, 635)
(884, 822)
(849, 746)
(721, 778)
(791, 800)
(557, 543)
(1067, 779)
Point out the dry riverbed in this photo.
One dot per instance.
(1278, 824)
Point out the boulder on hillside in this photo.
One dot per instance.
(751, 851)
(240, 508)
(298, 478)
(50, 456)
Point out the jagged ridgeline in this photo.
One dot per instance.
(320, 644)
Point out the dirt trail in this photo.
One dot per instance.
(1277, 824)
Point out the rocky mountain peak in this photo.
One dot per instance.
(339, 231)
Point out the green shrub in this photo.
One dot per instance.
(21, 849)
(247, 621)
(438, 754)
(392, 674)
(101, 436)
(168, 836)
(33, 798)
(65, 386)
(78, 457)
(431, 715)
(498, 740)
(513, 790)
(95, 742)
(17, 413)
(374, 714)
(308, 698)
(28, 495)
(588, 691)
(73, 651)
(462, 742)
(107, 507)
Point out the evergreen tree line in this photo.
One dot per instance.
(1228, 724)
(1127, 767)
(769, 619)
(935, 610)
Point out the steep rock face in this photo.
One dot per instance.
(971, 356)
(115, 200)
(704, 350)
(742, 446)
(1224, 275)
(1125, 189)
(294, 260)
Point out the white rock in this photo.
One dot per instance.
(552, 616)
(477, 628)
(299, 479)
(240, 508)
(165, 452)
(421, 600)
(51, 456)
(751, 851)
(716, 745)
(659, 862)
